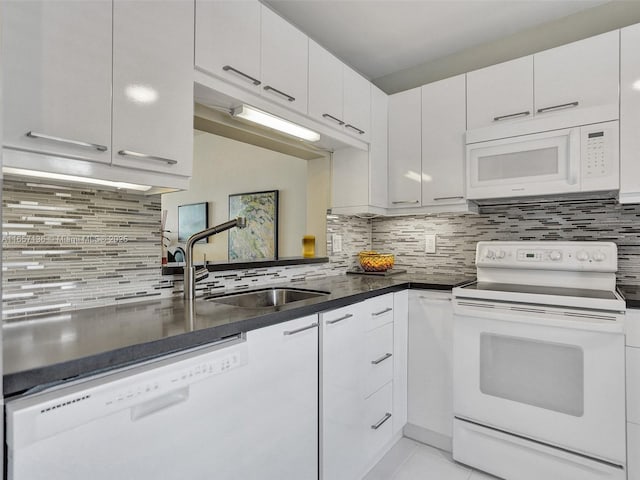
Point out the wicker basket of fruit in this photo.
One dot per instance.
(375, 262)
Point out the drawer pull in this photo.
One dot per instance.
(129, 153)
(355, 129)
(228, 68)
(386, 310)
(457, 197)
(431, 299)
(331, 322)
(381, 359)
(512, 115)
(337, 120)
(298, 330)
(405, 202)
(77, 143)
(558, 107)
(386, 417)
(288, 97)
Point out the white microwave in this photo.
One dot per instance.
(579, 159)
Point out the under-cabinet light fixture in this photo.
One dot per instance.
(271, 121)
(75, 179)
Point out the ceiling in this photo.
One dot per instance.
(381, 37)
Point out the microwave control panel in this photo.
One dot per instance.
(600, 163)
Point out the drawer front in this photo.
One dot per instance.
(633, 451)
(379, 310)
(379, 358)
(378, 429)
(632, 327)
(633, 385)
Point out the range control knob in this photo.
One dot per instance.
(490, 254)
(599, 256)
(500, 254)
(582, 256)
(555, 255)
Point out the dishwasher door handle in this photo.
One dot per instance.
(159, 403)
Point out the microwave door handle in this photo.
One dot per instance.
(574, 156)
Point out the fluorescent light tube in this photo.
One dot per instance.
(271, 121)
(73, 178)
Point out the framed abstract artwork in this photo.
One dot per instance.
(192, 218)
(259, 240)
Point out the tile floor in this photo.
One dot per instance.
(411, 460)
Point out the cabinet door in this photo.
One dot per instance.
(227, 40)
(578, 75)
(378, 148)
(325, 86)
(357, 105)
(283, 425)
(629, 115)
(57, 77)
(500, 93)
(430, 397)
(285, 58)
(343, 332)
(153, 85)
(443, 148)
(400, 358)
(633, 451)
(405, 149)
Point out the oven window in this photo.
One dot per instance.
(530, 163)
(543, 374)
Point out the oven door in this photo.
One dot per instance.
(542, 373)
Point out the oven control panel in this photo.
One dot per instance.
(550, 255)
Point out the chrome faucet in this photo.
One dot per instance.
(189, 269)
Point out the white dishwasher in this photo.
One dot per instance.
(173, 418)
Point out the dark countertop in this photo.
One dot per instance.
(631, 294)
(44, 350)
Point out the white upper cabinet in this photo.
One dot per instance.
(630, 115)
(228, 40)
(443, 128)
(405, 149)
(579, 75)
(357, 104)
(56, 67)
(285, 58)
(379, 148)
(153, 87)
(325, 86)
(500, 93)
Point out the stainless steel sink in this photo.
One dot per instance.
(267, 297)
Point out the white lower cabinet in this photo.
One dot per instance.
(633, 451)
(358, 386)
(632, 330)
(281, 425)
(430, 372)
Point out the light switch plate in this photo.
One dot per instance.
(336, 243)
(429, 243)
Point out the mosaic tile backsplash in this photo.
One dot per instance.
(560, 219)
(66, 247)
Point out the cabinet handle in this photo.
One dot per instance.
(512, 115)
(459, 197)
(228, 68)
(381, 359)
(558, 107)
(360, 132)
(337, 120)
(405, 202)
(269, 88)
(435, 299)
(388, 309)
(386, 417)
(129, 153)
(298, 330)
(100, 148)
(331, 322)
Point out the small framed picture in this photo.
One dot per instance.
(259, 240)
(192, 218)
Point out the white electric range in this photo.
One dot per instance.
(539, 379)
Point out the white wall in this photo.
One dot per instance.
(223, 166)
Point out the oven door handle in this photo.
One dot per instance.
(589, 320)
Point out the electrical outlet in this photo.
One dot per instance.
(430, 243)
(336, 243)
